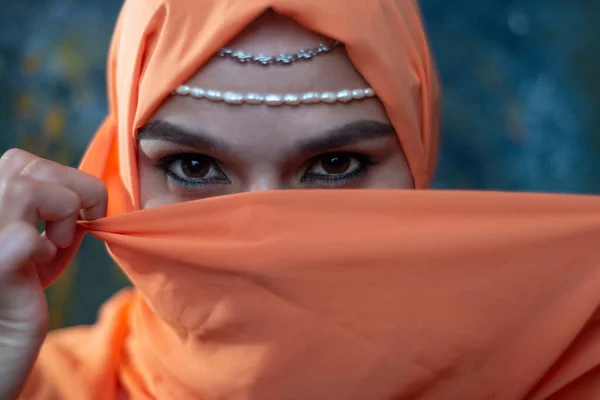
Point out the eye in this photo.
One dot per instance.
(335, 164)
(338, 167)
(192, 169)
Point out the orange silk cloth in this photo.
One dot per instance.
(325, 294)
(369, 295)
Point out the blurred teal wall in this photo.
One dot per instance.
(521, 104)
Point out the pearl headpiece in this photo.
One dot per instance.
(274, 100)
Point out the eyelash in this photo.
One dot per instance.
(165, 165)
(364, 160)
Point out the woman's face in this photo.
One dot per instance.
(193, 149)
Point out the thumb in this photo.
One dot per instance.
(49, 271)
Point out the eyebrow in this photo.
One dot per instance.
(333, 138)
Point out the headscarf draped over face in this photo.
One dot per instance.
(326, 294)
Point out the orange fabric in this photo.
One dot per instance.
(326, 294)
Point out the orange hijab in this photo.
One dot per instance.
(326, 294)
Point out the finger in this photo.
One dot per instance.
(21, 243)
(28, 200)
(49, 253)
(91, 190)
(13, 161)
(48, 272)
(21, 293)
(61, 232)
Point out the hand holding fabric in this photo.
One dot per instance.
(33, 190)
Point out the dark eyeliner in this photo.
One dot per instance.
(365, 161)
(165, 163)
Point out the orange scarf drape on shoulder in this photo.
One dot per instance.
(422, 295)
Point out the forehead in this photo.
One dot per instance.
(247, 124)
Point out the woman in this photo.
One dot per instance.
(281, 294)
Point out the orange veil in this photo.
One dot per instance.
(325, 294)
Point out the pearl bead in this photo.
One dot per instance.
(310, 98)
(369, 92)
(183, 90)
(358, 94)
(214, 95)
(197, 93)
(273, 100)
(233, 98)
(291, 99)
(253, 98)
(344, 96)
(328, 97)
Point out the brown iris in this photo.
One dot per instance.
(336, 164)
(195, 168)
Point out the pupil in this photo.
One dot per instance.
(195, 168)
(336, 165)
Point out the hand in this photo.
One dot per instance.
(34, 189)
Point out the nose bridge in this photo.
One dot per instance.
(266, 177)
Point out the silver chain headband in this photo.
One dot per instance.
(285, 59)
(274, 100)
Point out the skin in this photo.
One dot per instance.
(227, 149)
